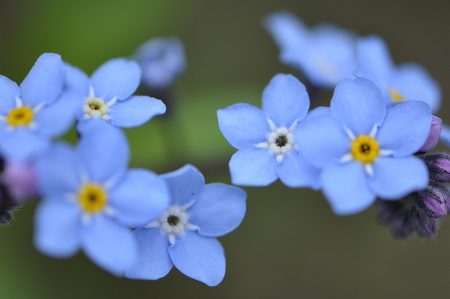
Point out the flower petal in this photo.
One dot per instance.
(285, 100)
(9, 91)
(184, 184)
(253, 167)
(243, 125)
(406, 128)
(76, 80)
(136, 111)
(22, 144)
(45, 82)
(139, 198)
(116, 78)
(153, 255)
(398, 177)
(295, 172)
(199, 257)
(218, 210)
(346, 188)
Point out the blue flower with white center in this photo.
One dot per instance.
(162, 61)
(108, 95)
(325, 54)
(185, 235)
(265, 139)
(407, 82)
(90, 200)
(365, 148)
(30, 115)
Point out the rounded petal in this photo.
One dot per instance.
(184, 184)
(200, 258)
(76, 80)
(346, 188)
(110, 245)
(153, 255)
(136, 111)
(253, 167)
(218, 210)
(9, 91)
(359, 105)
(285, 100)
(243, 125)
(45, 82)
(398, 177)
(57, 228)
(116, 78)
(406, 128)
(140, 197)
(295, 172)
(22, 144)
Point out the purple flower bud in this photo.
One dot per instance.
(21, 181)
(433, 201)
(439, 167)
(434, 135)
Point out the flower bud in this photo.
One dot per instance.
(434, 135)
(433, 201)
(439, 167)
(20, 179)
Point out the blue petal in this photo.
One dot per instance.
(253, 167)
(285, 100)
(445, 135)
(112, 246)
(200, 258)
(139, 198)
(359, 105)
(243, 125)
(22, 144)
(295, 172)
(153, 255)
(76, 80)
(346, 188)
(45, 82)
(218, 210)
(9, 91)
(184, 184)
(57, 228)
(136, 111)
(103, 150)
(406, 128)
(321, 139)
(398, 177)
(116, 78)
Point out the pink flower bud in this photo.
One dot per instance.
(20, 179)
(434, 135)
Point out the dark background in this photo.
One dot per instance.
(290, 244)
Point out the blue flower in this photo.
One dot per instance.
(325, 54)
(108, 95)
(364, 148)
(162, 61)
(407, 82)
(185, 235)
(267, 148)
(90, 200)
(30, 115)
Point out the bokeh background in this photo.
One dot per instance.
(290, 245)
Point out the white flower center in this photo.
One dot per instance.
(97, 107)
(280, 141)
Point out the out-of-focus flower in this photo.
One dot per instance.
(407, 82)
(325, 54)
(267, 148)
(90, 199)
(365, 148)
(30, 115)
(108, 95)
(20, 179)
(162, 61)
(439, 167)
(185, 235)
(434, 135)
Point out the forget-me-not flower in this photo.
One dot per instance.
(90, 200)
(265, 139)
(108, 95)
(185, 235)
(365, 148)
(37, 110)
(325, 54)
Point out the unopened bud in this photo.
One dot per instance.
(439, 167)
(434, 135)
(433, 201)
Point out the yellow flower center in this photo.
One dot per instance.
(21, 116)
(365, 149)
(396, 96)
(92, 198)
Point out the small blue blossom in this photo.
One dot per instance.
(185, 235)
(407, 82)
(30, 115)
(108, 95)
(365, 148)
(90, 199)
(162, 61)
(325, 54)
(265, 139)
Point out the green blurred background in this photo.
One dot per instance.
(290, 244)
